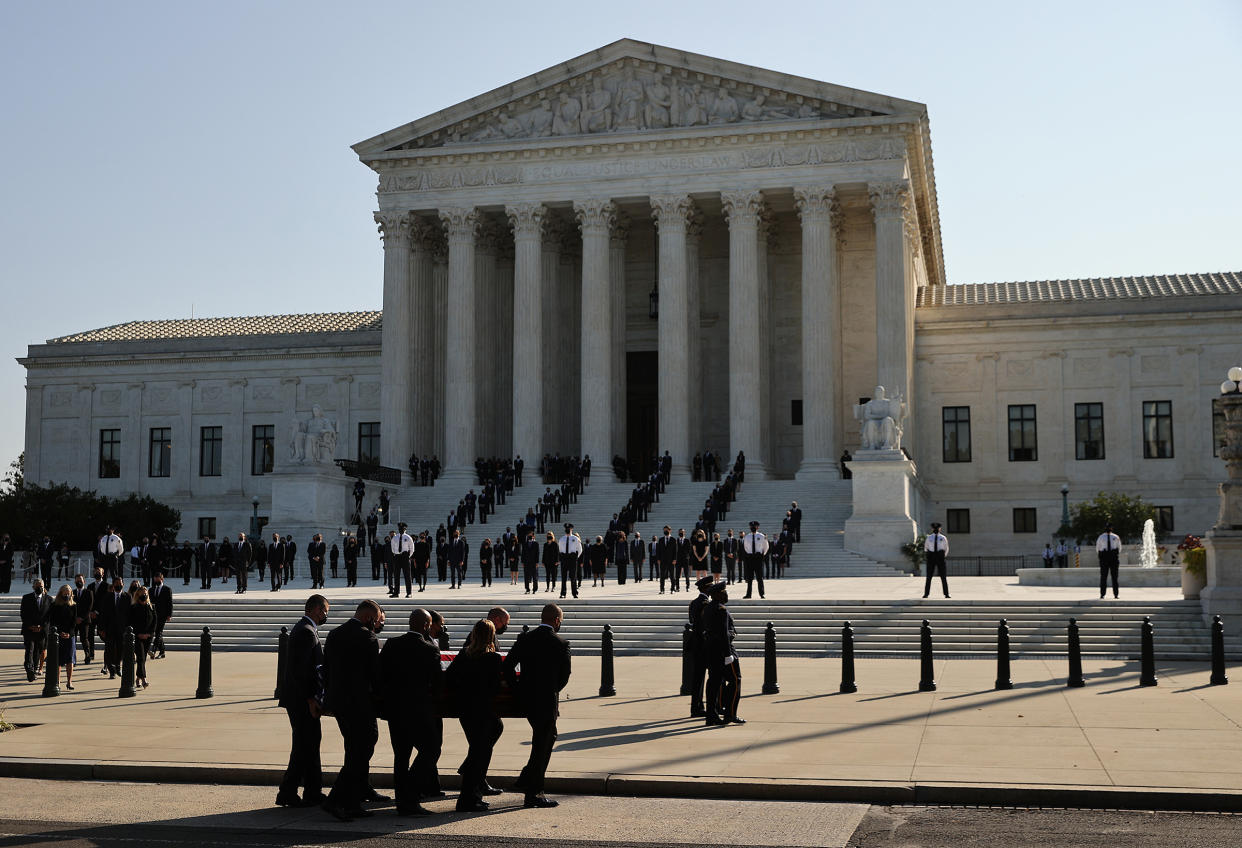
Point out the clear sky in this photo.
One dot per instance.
(159, 159)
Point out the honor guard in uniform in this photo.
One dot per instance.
(401, 546)
(754, 548)
(569, 548)
(724, 681)
(936, 548)
(697, 646)
(111, 549)
(1108, 549)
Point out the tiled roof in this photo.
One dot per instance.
(1100, 288)
(251, 325)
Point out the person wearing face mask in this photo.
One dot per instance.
(724, 681)
(543, 657)
(45, 552)
(352, 691)
(36, 606)
(87, 600)
(162, 601)
(302, 699)
(666, 555)
(113, 615)
(412, 681)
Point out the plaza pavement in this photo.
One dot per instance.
(1111, 744)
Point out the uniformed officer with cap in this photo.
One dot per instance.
(754, 546)
(698, 651)
(402, 547)
(936, 548)
(724, 680)
(570, 547)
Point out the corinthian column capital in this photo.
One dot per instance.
(526, 219)
(620, 231)
(460, 223)
(425, 234)
(819, 203)
(595, 215)
(671, 210)
(742, 207)
(889, 199)
(394, 227)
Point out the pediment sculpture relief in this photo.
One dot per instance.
(629, 99)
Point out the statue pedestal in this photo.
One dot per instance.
(309, 499)
(1223, 594)
(884, 506)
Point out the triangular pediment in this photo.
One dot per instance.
(628, 87)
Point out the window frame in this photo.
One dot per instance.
(113, 444)
(211, 451)
(368, 437)
(161, 467)
(262, 449)
(958, 424)
(1022, 420)
(1025, 512)
(957, 521)
(203, 528)
(1156, 417)
(1088, 419)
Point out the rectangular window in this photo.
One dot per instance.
(369, 442)
(955, 424)
(1218, 427)
(159, 458)
(262, 449)
(109, 453)
(795, 413)
(1157, 429)
(1164, 520)
(210, 447)
(1088, 431)
(1024, 519)
(957, 521)
(207, 527)
(1022, 442)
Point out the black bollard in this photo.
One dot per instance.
(127, 665)
(770, 686)
(607, 684)
(848, 685)
(282, 648)
(1075, 657)
(204, 665)
(1002, 656)
(51, 682)
(1219, 678)
(687, 659)
(927, 673)
(1147, 677)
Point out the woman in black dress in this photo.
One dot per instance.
(474, 680)
(597, 559)
(63, 622)
(142, 619)
(485, 562)
(698, 554)
(551, 554)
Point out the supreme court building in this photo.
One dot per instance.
(641, 250)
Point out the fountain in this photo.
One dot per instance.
(1148, 555)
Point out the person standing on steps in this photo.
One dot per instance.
(570, 549)
(1108, 550)
(936, 549)
(754, 549)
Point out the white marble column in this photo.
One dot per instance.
(459, 365)
(620, 380)
(747, 412)
(555, 409)
(821, 332)
(86, 434)
(421, 419)
(694, 332)
(890, 204)
(396, 374)
(483, 337)
(503, 399)
(671, 212)
(34, 439)
(595, 218)
(439, 343)
(528, 330)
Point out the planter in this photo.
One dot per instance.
(1193, 582)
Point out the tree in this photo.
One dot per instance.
(1125, 513)
(68, 514)
(15, 476)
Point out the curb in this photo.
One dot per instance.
(656, 786)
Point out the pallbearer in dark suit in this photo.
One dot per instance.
(162, 601)
(542, 657)
(411, 682)
(352, 687)
(302, 698)
(474, 679)
(936, 547)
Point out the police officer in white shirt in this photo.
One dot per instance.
(110, 549)
(402, 547)
(754, 546)
(936, 548)
(1108, 549)
(570, 547)
(1062, 554)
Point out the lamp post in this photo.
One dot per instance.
(1223, 594)
(1064, 505)
(254, 518)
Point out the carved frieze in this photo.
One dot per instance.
(628, 97)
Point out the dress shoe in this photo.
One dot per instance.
(337, 812)
(714, 721)
(472, 806)
(539, 801)
(372, 795)
(697, 712)
(735, 720)
(488, 789)
(288, 801)
(413, 810)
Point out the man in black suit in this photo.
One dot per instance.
(542, 655)
(422, 559)
(276, 560)
(206, 556)
(352, 689)
(301, 696)
(224, 558)
(36, 606)
(45, 552)
(412, 682)
(638, 553)
(243, 553)
(155, 559)
(88, 605)
(351, 559)
(291, 551)
(6, 563)
(456, 553)
(162, 600)
(113, 609)
(315, 553)
(795, 521)
(666, 551)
